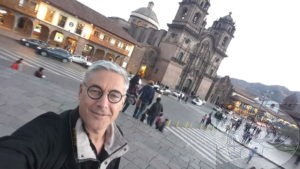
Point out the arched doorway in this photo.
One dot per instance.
(187, 85)
(56, 38)
(119, 59)
(24, 26)
(70, 44)
(41, 32)
(88, 51)
(7, 19)
(99, 55)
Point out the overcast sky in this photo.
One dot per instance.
(264, 48)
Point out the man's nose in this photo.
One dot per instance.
(103, 100)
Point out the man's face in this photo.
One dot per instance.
(99, 114)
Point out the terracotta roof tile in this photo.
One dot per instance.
(87, 14)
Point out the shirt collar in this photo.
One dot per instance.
(113, 141)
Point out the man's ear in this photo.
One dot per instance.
(80, 89)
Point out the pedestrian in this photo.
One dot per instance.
(180, 96)
(85, 137)
(136, 79)
(249, 138)
(246, 136)
(186, 99)
(145, 99)
(162, 124)
(144, 116)
(154, 111)
(39, 73)
(228, 128)
(208, 121)
(253, 151)
(158, 120)
(203, 119)
(132, 92)
(17, 65)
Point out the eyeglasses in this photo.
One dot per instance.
(95, 93)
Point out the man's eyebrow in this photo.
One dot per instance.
(95, 85)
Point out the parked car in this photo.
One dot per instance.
(33, 43)
(197, 101)
(57, 53)
(177, 94)
(82, 60)
(216, 108)
(157, 88)
(166, 92)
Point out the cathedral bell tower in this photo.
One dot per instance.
(183, 34)
(191, 15)
(223, 30)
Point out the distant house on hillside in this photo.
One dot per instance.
(271, 104)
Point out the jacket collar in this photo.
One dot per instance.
(113, 141)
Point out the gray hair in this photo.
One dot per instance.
(108, 66)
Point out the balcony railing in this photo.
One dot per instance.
(108, 45)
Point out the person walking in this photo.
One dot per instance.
(146, 96)
(208, 121)
(132, 92)
(17, 65)
(162, 124)
(39, 73)
(203, 119)
(253, 151)
(154, 111)
(86, 137)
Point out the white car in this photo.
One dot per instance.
(177, 94)
(82, 60)
(165, 92)
(197, 102)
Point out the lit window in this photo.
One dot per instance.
(112, 41)
(2, 16)
(79, 28)
(120, 44)
(59, 37)
(124, 46)
(21, 2)
(49, 15)
(96, 33)
(101, 36)
(127, 47)
(62, 21)
(37, 28)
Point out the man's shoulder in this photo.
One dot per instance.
(50, 119)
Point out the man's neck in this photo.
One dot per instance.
(97, 138)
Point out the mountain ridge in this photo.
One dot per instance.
(273, 92)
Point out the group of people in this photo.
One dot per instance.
(142, 98)
(18, 66)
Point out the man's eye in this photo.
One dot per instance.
(114, 95)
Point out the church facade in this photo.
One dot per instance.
(188, 55)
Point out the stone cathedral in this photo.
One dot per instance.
(188, 55)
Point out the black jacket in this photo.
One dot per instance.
(49, 142)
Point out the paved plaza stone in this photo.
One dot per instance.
(23, 97)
